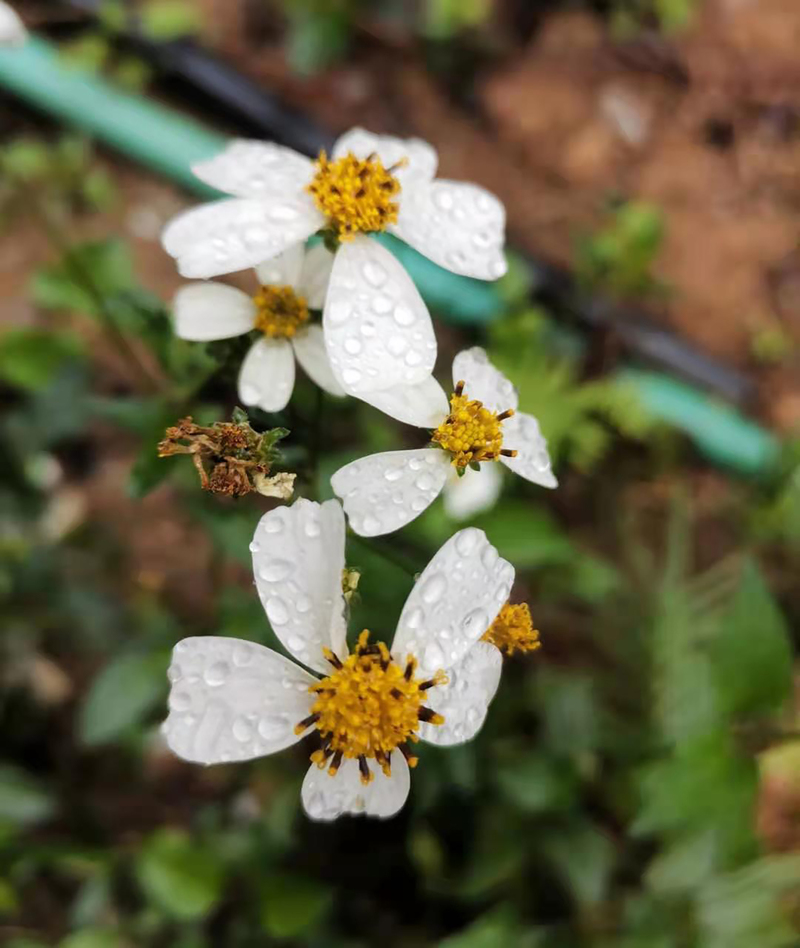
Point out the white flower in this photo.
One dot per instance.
(378, 331)
(383, 492)
(472, 493)
(12, 30)
(233, 700)
(291, 283)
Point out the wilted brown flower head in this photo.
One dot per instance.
(231, 458)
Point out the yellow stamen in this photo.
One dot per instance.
(281, 312)
(368, 707)
(513, 631)
(355, 194)
(472, 433)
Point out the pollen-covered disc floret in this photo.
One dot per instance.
(513, 631)
(355, 194)
(367, 707)
(280, 311)
(472, 433)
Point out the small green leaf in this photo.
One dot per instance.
(31, 358)
(92, 938)
(120, 696)
(181, 877)
(292, 904)
(752, 655)
(22, 800)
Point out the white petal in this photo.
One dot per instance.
(377, 328)
(483, 381)
(12, 30)
(236, 233)
(420, 156)
(473, 492)
(266, 378)
(521, 433)
(464, 700)
(283, 270)
(424, 405)
(459, 226)
(206, 311)
(233, 700)
(327, 798)
(309, 347)
(298, 558)
(453, 602)
(256, 169)
(384, 492)
(315, 275)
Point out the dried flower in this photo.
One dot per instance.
(231, 458)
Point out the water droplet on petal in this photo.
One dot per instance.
(424, 482)
(302, 604)
(180, 700)
(242, 729)
(403, 315)
(273, 524)
(242, 654)
(174, 672)
(275, 570)
(381, 304)
(272, 726)
(312, 528)
(370, 525)
(339, 311)
(466, 540)
(351, 376)
(277, 613)
(434, 588)
(397, 345)
(282, 212)
(255, 547)
(217, 674)
(296, 643)
(374, 273)
(432, 657)
(393, 473)
(352, 345)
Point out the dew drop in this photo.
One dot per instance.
(180, 700)
(381, 304)
(273, 524)
(275, 570)
(242, 654)
(351, 376)
(374, 273)
(413, 357)
(473, 715)
(370, 525)
(497, 267)
(352, 345)
(403, 315)
(315, 806)
(255, 547)
(465, 541)
(174, 672)
(277, 613)
(474, 624)
(418, 504)
(367, 329)
(242, 730)
(415, 618)
(433, 657)
(444, 199)
(302, 604)
(282, 212)
(296, 643)
(217, 674)
(339, 311)
(393, 473)
(434, 588)
(414, 464)
(424, 482)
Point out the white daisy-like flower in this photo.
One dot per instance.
(378, 331)
(12, 29)
(481, 425)
(233, 700)
(290, 285)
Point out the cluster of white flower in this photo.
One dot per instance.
(234, 700)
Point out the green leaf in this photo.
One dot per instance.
(120, 696)
(585, 858)
(85, 276)
(179, 876)
(752, 654)
(92, 938)
(292, 904)
(31, 358)
(22, 800)
(536, 783)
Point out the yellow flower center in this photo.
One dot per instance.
(472, 433)
(367, 707)
(513, 631)
(355, 194)
(281, 312)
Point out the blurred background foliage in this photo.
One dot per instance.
(637, 783)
